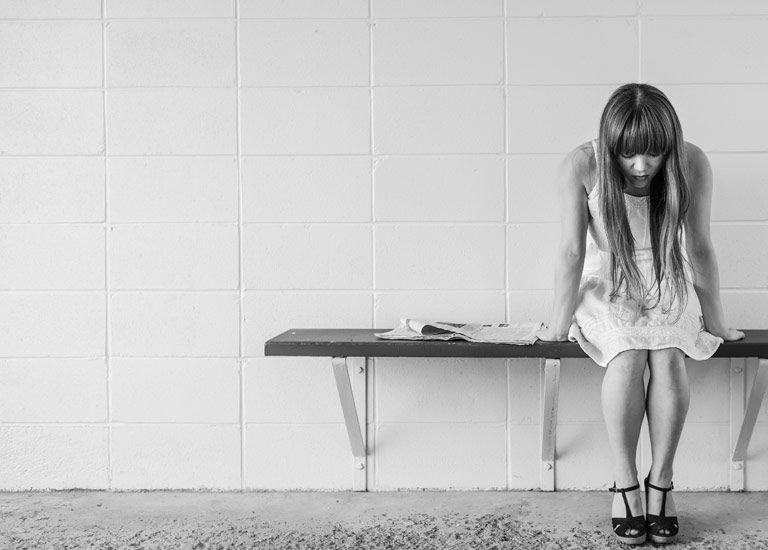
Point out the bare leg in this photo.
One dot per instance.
(667, 407)
(623, 397)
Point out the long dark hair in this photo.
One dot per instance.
(639, 119)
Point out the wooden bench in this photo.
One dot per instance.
(348, 349)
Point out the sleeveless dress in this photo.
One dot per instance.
(604, 327)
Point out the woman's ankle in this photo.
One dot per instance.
(661, 477)
(625, 478)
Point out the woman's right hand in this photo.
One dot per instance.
(546, 334)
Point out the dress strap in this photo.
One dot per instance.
(597, 166)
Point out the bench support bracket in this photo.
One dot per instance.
(750, 412)
(352, 414)
(551, 389)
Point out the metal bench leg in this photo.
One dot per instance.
(351, 417)
(551, 369)
(756, 395)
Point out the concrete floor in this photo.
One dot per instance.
(502, 520)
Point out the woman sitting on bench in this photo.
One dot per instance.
(644, 196)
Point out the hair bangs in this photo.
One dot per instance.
(645, 132)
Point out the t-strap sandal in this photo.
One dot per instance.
(622, 527)
(655, 524)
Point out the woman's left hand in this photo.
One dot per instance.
(731, 334)
(722, 330)
(727, 334)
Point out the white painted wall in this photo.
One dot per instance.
(181, 180)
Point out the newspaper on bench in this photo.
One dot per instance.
(504, 333)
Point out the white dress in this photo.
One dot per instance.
(604, 327)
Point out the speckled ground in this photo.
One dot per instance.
(328, 521)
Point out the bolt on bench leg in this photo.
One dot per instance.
(351, 417)
(551, 373)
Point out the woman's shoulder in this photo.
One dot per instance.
(697, 164)
(580, 165)
(694, 154)
(583, 154)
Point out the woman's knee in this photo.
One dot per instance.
(666, 360)
(668, 367)
(630, 363)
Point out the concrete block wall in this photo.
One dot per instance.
(180, 181)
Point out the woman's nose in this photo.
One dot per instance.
(639, 163)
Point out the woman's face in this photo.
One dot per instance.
(639, 169)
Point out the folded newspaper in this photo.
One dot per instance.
(505, 333)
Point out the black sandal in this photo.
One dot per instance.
(654, 523)
(623, 526)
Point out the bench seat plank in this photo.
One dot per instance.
(364, 343)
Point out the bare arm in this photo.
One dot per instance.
(701, 252)
(569, 261)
